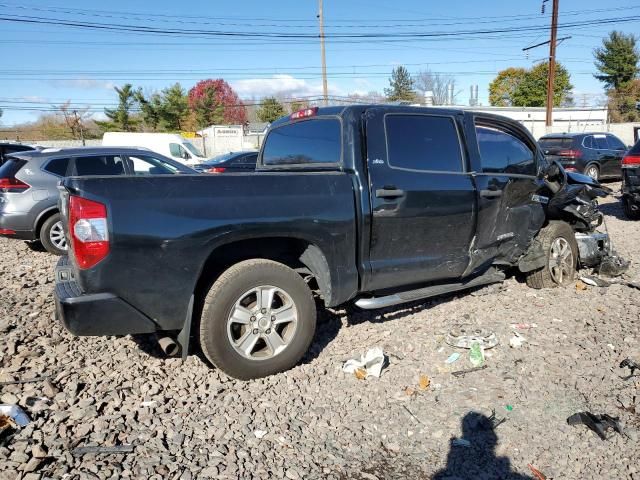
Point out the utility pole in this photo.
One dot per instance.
(552, 62)
(322, 54)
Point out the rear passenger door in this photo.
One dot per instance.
(93, 165)
(422, 198)
(511, 209)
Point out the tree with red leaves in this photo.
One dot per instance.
(215, 103)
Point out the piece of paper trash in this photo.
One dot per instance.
(517, 340)
(452, 358)
(16, 414)
(370, 364)
(259, 434)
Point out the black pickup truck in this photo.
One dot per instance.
(372, 205)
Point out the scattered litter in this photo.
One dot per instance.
(460, 442)
(598, 423)
(517, 340)
(259, 434)
(412, 414)
(595, 281)
(77, 452)
(476, 355)
(537, 473)
(462, 373)
(28, 380)
(410, 392)
(465, 335)
(580, 285)
(631, 365)
(370, 364)
(523, 326)
(452, 358)
(613, 266)
(150, 403)
(15, 414)
(494, 421)
(423, 382)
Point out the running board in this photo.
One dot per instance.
(371, 303)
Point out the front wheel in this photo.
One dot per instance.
(561, 254)
(592, 171)
(258, 319)
(52, 235)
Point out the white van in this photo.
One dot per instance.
(168, 144)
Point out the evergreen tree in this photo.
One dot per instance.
(121, 117)
(617, 60)
(400, 86)
(270, 110)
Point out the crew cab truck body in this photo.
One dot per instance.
(373, 204)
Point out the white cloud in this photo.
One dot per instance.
(84, 84)
(282, 85)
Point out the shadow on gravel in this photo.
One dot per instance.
(614, 210)
(477, 458)
(148, 343)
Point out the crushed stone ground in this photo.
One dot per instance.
(187, 420)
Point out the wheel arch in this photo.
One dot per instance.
(42, 217)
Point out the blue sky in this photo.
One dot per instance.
(47, 64)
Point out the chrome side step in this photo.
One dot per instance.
(371, 303)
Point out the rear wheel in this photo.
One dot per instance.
(592, 171)
(630, 213)
(561, 250)
(52, 235)
(258, 319)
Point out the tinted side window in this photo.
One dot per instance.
(99, 165)
(600, 142)
(246, 161)
(615, 143)
(423, 142)
(501, 152)
(147, 165)
(310, 141)
(587, 142)
(58, 166)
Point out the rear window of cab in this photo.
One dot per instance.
(309, 142)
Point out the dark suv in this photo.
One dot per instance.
(598, 155)
(7, 148)
(29, 181)
(631, 182)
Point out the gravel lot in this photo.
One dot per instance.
(189, 421)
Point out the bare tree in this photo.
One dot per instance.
(437, 83)
(74, 119)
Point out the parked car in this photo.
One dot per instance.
(631, 182)
(372, 205)
(28, 186)
(229, 162)
(168, 144)
(7, 148)
(598, 155)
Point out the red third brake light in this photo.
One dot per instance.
(304, 113)
(631, 160)
(12, 185)
(89, 231)
(570, 153)
(216, 170)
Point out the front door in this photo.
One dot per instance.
(511, 209)
(422, 198)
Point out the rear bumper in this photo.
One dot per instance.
(15, 222)
(95, 313)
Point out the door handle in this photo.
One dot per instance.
(490, 193)
(389, 193)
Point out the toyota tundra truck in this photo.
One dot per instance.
(369, 206)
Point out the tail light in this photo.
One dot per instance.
(304, 113)
(89, 231)
(12, 185)
(570, 169)
(570, 153)
(216, 170)
(631, 160)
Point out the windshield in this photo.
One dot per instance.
(192, 148)
(556, 142)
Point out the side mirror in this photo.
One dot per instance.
(186, 155)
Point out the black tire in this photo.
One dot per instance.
(45, 235)
(544, 277)
(595, 168)
(628, 211)
(221, 300)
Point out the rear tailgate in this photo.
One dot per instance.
(557, 148)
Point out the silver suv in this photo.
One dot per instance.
(29, 181)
